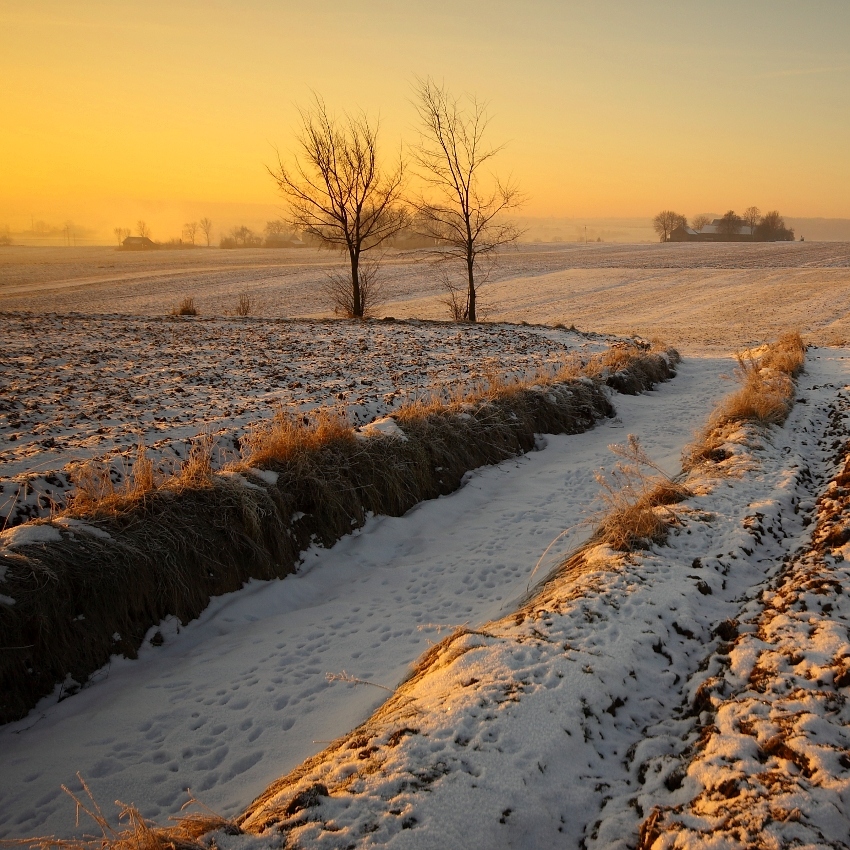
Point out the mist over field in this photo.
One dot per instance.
(96, 230)
(695, 296)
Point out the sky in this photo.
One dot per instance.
(169, 111)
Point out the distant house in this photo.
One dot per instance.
(283, 240)
(711, 233)
(138, 243)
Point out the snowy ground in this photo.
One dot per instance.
(694, 696)
(241, 696)
(93, 382)
(720, 296)
(81, 386)
(623, 707)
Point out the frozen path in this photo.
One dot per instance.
(240, 696)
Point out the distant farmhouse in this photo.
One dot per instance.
(714, 232)
(283, 240)
(138, 243)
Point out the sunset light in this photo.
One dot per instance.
(609, 109)
(424, 425)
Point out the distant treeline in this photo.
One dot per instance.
(277, 234)
(752, 226)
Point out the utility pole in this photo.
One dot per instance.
(585, 234)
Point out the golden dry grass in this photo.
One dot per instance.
(97, 496)
(138, 834)
(787, 354)
(765, 396)
(286, 437)
(636, 498)
(185, 308)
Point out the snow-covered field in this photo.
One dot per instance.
(81, 386)
(692, 696)
(702, 683)
(240, 696)
(690, 295)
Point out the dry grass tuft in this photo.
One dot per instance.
(197, 471)
(787, 354)
(243, 306)
(628, 367)
(765, 397)
(286, 437)
(138, 834)
(96, 495)
(185, 308)
(635, 502)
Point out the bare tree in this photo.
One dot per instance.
(730, 223)
(70, 231)
(666, 222)
(338, 192)
(190, 230)
(206, 229)
(461, 209)
(751, 217)
(142, 229)
(121, 233)
(700, 221)
(241, 237)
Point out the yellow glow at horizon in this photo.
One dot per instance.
(609, 109)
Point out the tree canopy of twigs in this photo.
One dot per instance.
(206, 227)
(461, 207)
(666, 222)
(338, 191)
(700, 221)
(751, 217)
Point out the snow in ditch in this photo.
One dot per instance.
(601, 708)
(241, 695)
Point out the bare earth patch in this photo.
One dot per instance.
(79, 386)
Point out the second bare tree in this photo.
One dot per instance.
(461, 208)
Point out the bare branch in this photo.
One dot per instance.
(463, 219)
(337, 191)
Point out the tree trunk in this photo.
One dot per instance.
(470, 297)
(356, 299)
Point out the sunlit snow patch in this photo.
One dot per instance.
(386, 427)
(26, 535)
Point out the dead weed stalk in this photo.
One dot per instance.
(185, 308)
(636, 503)
(635, 497)
(138, 834)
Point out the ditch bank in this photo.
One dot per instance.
(86, 585)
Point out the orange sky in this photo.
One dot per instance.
(114, 111)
